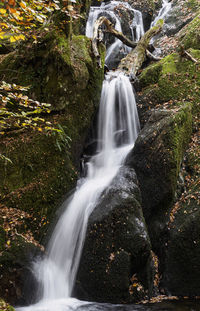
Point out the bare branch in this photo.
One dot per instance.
(110, 28)
(190, 57)
(134, 60)
(152, 57)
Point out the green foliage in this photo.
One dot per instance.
(18, 111)
(62, 139)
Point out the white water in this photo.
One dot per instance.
(166, 7)
(118, 127)
(136, 27)
(162, 14)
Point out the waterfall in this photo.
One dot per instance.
(166, 7)
(109, 10)
(118, 127)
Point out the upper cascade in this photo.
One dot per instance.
(166, 7)
(112, 11)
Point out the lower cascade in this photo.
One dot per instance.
(118, 127)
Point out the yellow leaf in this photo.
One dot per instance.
(12, 39)
(4, 25)
(2, 11)
(39, 129)
(8, 242)
(2, 35)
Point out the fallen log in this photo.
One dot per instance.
(134, 60)
(109, 28)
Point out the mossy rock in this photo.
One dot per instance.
(57, 68)
(181, 268)
(116, 260)
(62, 72)
(189, 36)
(44, 166)
(174, 78)
(14, 268)
(157, 158)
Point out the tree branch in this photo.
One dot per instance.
(134, 60)
(110, 28)
(152, 57)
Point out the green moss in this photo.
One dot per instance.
(189, 36)
(150, 74)
(178, 138)
(63, 73)
(174, 78)
(192, 4)
(57, 69)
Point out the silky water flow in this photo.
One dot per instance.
(118, 127)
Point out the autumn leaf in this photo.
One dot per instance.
(2, 11)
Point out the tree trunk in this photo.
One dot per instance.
(134, 60)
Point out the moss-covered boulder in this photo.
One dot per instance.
(182, 260)
(43, 167)
(156, 157)
(116, 264)
(59, 70)
(15, 266)
(173, 79)
(189, 35)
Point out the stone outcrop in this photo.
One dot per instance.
(117, 264)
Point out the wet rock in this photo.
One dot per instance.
(116, 264)
(156, 157)
(182, 261)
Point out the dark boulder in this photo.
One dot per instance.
(116, 264)
(157, 157)
(182, 262)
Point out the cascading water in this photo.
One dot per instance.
(118, 127)
(109, 10)
(166, 7)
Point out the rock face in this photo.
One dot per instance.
(62, 72)
(157, 157)
(170, 197)
(181, 275)
(181, 15)
(116, 264)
